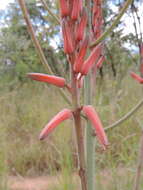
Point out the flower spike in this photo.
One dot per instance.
(92, 115)
(137, 77)
(57, 81)
(61, 116)
(94, 56)
(67, 36)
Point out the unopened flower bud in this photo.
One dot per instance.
(81, 26)
(67, 36)
(92, 115)
(60, 117)
(100, 61)
(80, 56)
(51, 79)
(137, 77)
(64, 8)
(76, 9)
(94, 56)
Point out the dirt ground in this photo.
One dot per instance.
(36, 183)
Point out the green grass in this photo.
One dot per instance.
(26, 108)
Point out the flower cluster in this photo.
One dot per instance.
(76, 42)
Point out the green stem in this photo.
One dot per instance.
(90, 141)
(113, 25)
(127, 116)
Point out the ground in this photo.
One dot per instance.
(36, 183)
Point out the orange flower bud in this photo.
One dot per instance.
(81, 26)
(76, 9)
(57, 81)
(100, 61)
(64, 8)
(137, 77)
(91, 59)
(67, 36)
(92, 115)
(80, 56)
(60, 117)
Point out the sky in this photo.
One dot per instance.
(4, 3)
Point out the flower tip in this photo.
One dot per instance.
(53, 123)
(29, 74)
(41, 138)
(136, 77)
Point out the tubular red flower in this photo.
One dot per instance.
(137, 77)
(67, 36)
(94, 56)
(57, 81)
(80, 56)
(100, 61)
(92, 115)
(80, 5)
(60, 117)
(81, 26)
(76, 9)
(64, 8)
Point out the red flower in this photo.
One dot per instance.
(80, 56)
(100, 61)
(94, 56)
(76, 9)
(67, 36)
(81, 26)
(64, 8)
(137, 77)
(92, 115)
(57, 81)
(61, 116)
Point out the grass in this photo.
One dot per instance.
(26, 108)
